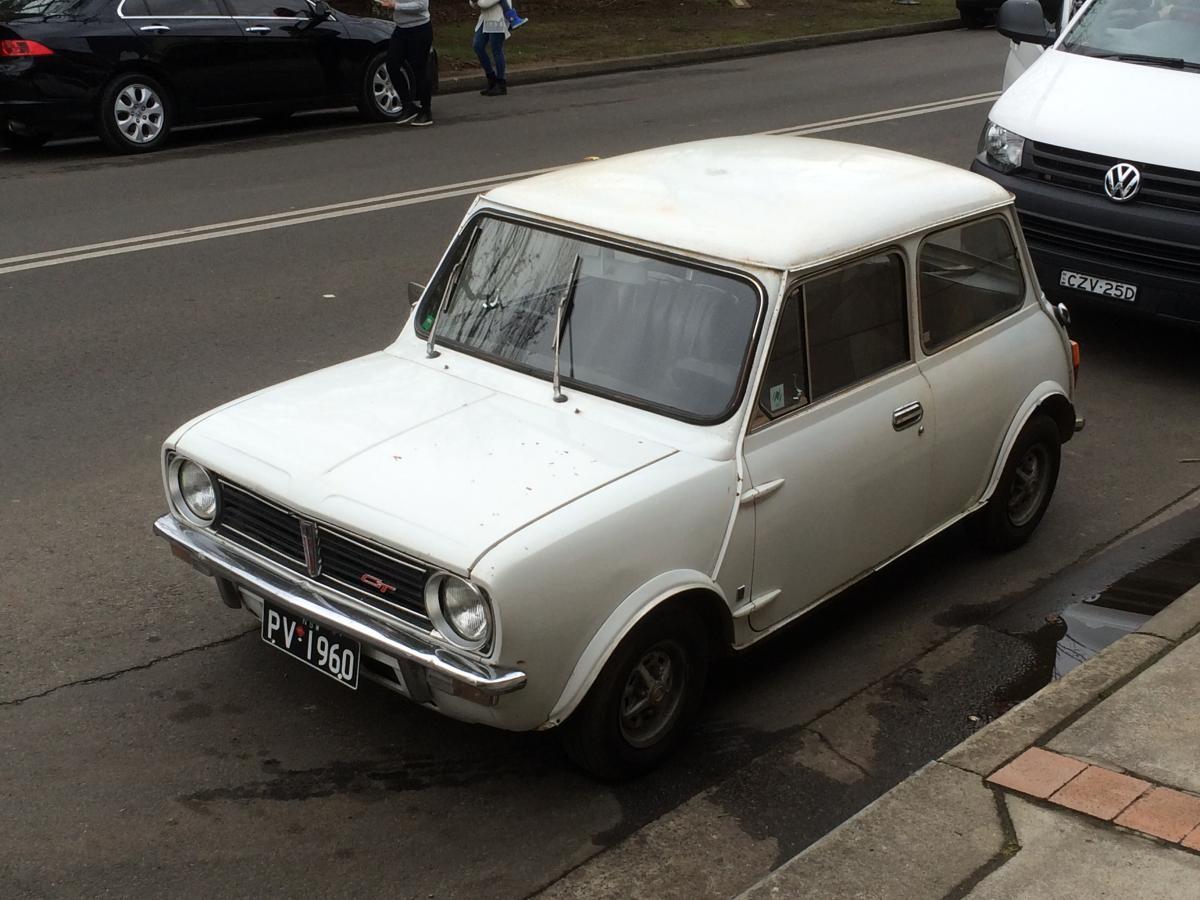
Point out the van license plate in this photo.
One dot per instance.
(322, 648)
(1102, 286)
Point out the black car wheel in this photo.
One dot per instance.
(134, 114)
(23, 143)
(1025, 487)
(647, 693)
(378, 99)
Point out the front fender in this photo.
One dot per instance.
(623, 619)
(1038, 396)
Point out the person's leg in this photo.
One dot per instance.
(498, 55)
(396, 55)
(420, 43)
(480, 47)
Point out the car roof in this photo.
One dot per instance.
(771, 200)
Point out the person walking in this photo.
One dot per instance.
(490, 33)
(408, 55)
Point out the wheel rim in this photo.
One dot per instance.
(1030, 480)
(139, 114)
(386, 98)
(653, 694)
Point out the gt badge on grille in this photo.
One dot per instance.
(378, 583)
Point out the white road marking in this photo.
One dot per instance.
(408, 198)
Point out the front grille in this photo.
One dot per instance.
(350, 565)
(394, 585)
(1163, 257)
(1077, 170)
(253, 522)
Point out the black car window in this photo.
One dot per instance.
(264, 9)
(174, 8)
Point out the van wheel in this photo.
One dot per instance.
(645, 697)
(135, 114)
(1025, 487)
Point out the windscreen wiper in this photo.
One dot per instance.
(451, 284)
(1167, 62)
(566, 305)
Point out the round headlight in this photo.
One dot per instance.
(459, 610)
(193, 491)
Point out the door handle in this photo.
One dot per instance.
(907, 415)
(155, 28)
(259, 29)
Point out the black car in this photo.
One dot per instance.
(131, 70)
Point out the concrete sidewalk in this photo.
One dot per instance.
(1090, 788)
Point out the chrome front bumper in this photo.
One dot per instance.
(215, 559)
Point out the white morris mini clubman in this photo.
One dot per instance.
(647, 410)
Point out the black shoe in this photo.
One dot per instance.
(407, 114)
(500, 87)
(487, 91)
(424, 117)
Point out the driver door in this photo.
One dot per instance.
(839, 451)
(290, 56)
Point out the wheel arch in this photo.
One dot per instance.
(682, 589)
(1049, 398)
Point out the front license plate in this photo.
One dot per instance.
(322, 648)
(1102, 286)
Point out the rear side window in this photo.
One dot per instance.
(970, 277)
(172, 8)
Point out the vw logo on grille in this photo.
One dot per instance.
(1122, 182)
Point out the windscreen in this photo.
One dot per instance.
(1153, 32)
(655, 332)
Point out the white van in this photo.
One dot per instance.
(1099, 140)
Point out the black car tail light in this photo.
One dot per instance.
(10, 49)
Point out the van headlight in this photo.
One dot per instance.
(193, 491)
(1000, 148)
(459, 610)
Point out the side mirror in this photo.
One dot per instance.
(321, 11)
(1022, 20)
(414, 292)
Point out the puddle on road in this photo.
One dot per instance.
(1092, 624)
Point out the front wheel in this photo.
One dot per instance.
(378, 100)
(1025, 487)
(647, 693)
(135, 114)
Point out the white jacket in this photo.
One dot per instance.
(491, 17)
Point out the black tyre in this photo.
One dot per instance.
(135, 114)
(1025, 488)
(644, 699)
(378, 100)
(23, 143)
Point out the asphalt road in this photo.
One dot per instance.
(151, 745)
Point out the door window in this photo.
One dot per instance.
(167, 9)
(857, 320)
(834, 331)
(970, 278)
(266, 9)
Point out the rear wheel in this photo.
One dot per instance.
(378, 98)
(1025, 487)
(643, 700)
(135, 114)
